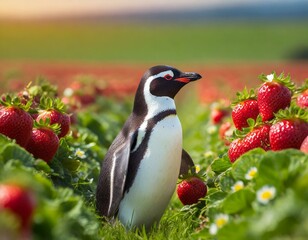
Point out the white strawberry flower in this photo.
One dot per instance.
(252, 172)
(80, 153)
(265, 194)
(237, 186)
(68, 92)
(211, 130)
(220, 221)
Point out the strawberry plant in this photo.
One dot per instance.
(261, 194)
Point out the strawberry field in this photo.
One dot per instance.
(261, 192)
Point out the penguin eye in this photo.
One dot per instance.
(168, 77)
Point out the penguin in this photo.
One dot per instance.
(141, 167)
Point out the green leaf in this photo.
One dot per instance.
(42, 166)
(221, 164)
(248, 160)
(238, 201)
(226, 181)
(280, 168)
(14, 151)
(233, 230)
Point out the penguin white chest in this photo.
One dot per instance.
(157, 175)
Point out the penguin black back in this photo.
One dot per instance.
(153, 103)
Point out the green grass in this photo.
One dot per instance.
(185, 42)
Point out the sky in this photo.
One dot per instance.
(52, 8)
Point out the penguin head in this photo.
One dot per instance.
(158, 84)
(167, 81)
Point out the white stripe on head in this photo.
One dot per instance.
(157, 104)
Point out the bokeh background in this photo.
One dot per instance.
(113, 42)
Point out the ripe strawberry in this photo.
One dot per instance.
(304, 145)
(19, 202)
(302, 98)
(191, 190)
(219, 110)
(54, 110)
(15, 122)
(44, 141)
(245, 107)
(257, 137)
(217, 115)
(274, 94)
(225, 131)
(290, 129)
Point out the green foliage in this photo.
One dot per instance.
(234, 207)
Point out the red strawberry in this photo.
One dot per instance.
(304, 145)
(302, 98)
(245, 107)
(274, 94)
(258, 137)
(15, 122)
(54, 110)
(44, 141)
(290, 129)
(219, 110)
(19, 202)
(217, 115)
(191, 190)
(225, 131)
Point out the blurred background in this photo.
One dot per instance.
(113, 42)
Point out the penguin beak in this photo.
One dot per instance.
(187, 77)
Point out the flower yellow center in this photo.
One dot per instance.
(252, 173)
(266, 195)
(80, 153)
(198, 168)
(220, 222)
(238, 187)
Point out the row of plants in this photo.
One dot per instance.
(260, 194)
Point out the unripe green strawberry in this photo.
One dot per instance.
(15, 122)
(274, 94)
(44, 141)
(190, 190)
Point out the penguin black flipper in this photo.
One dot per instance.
(113, 174)
(186, 163)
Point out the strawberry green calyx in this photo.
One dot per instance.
(252, 124)
(48, 103)
(193, 173)
(244, 95)
(292, 113)
(9, 101)
(302, 88)
(41, 88)
(281, 79)
(45, 123)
